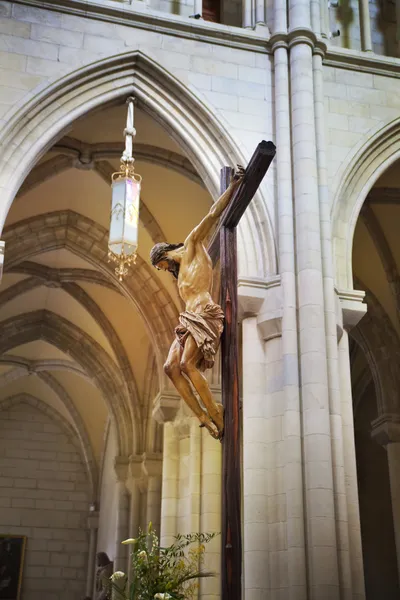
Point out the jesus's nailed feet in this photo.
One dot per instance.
(206, 422)
(219, 421)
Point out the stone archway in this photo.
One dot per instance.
(371, 158)
(38, 124)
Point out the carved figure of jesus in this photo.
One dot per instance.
(200, 326)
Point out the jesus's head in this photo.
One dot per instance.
(167, 257)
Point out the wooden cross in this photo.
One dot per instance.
(223, 246)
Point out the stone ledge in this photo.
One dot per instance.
(353, 308)
(139, 15)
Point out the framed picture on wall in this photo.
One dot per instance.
(12, 551)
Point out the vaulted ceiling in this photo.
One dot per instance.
(72, 335)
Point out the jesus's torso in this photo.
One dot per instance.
(195, 279)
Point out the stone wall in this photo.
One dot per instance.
(44, 496)
(357, 105)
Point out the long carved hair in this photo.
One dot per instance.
(159, 253)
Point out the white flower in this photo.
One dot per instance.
(162, 596)
(129, 541)
(117, 575)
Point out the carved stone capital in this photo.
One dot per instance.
(152, 464)
(121, 464)
(262, 298)
(353, 307)
(386, 429)
(269, 319)
(251, 295)
(135, 466)
(166, 406)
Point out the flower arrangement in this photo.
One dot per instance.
(159, 573)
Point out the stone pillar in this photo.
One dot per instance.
(169, 501)
(152, 468)
(198, 7)
(265, 524)
(353, 310)
(210, 517)
(93, 526)
(293, 469)
(322, 557)
(254, 14)
(386, 431)
(247, 14)
(121, 552)
(365, 25)
(134, 485)
(255, 463)
(195, 475)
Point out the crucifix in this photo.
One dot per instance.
(198, 335)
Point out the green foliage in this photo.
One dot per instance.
(170, 573)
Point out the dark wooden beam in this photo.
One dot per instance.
(231, 554)
(255, 172)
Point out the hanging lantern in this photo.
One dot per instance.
(124, 222)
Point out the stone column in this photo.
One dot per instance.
(166, 407)
(386, 431)
(255, 463)
(260, 13)
(292, 431)
(322, 558)
(198, 7)
(152, 468)
(265, 524)
(134, 484)
(353, 310)
(247, 14)
(365, 25)
(169, 501)
(195, 475)
(93, 526)
(121, 552)
(210, 517)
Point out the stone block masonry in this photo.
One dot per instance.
(43, 496)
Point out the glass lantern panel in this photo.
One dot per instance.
(124, 216)
(131, 216)
(117, 216)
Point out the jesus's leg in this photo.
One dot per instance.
(173, 371)
(188, 365)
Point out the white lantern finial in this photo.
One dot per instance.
(124, 223)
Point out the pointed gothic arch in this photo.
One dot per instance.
(371, 158)
(40, 122)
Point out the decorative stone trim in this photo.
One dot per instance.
(366, 62)
(138, 14)
(352, 306)
(386, 429)
(166, 406)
